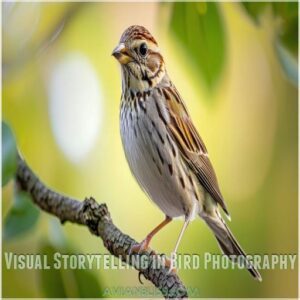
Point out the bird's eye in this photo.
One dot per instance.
(143, 49)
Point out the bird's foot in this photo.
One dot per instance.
(143, 246)
(139, 248)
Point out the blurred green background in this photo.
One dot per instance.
(236, 66)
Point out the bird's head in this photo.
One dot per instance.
(138, 53)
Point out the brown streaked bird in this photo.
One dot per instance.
(164, 151)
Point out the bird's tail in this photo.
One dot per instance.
(228, 243)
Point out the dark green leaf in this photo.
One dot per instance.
(9, 154)
(51, 280)
(287, 39)
(286, 10)
(61, 282)
(87, 284)
(254, 9)
(288, 34)
(21, 218)
(199, 29)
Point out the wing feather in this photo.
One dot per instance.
(192, 147)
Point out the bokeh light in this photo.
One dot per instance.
(75, 105)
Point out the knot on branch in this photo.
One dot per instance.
(94, 214)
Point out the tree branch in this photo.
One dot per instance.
(97, 218)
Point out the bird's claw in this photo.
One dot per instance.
(142, 247)
(139, 248)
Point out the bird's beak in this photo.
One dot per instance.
(121, 54)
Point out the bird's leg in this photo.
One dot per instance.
(144, 245)
(170, 264)
(186, 223)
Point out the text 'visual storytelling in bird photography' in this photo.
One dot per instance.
(150, 149)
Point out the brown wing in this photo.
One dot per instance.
(191, 145)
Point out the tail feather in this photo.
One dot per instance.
(228, 243)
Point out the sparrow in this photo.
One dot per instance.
(164, 151)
